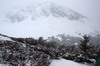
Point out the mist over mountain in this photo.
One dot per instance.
(63, 39)
(50, 19)
(44, 19)
(37, 10)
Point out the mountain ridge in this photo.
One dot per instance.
(45, 9)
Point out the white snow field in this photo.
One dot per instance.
(63, 62)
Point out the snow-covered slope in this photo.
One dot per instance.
(4, 38)
(63, 62)
(43, 9)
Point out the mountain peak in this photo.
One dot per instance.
(37, 10)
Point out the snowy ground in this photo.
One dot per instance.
(63, 62)
(3, 65)
(4, 38)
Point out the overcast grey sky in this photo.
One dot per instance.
(89, 8)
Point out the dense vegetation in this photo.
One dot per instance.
(40, 52)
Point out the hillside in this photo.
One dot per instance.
(40, 52)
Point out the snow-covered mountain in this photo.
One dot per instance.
(45, 9)
(44, 19)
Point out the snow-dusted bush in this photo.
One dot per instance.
(40, 52)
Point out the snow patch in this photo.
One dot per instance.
(3, 65)
(63, 62)
(4, 38)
